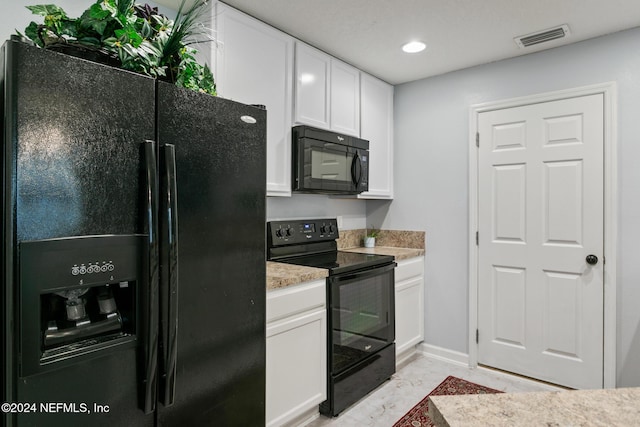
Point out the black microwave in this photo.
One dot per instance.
(328, 163)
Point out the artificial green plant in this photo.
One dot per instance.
(142, 39)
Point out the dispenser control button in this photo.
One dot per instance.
(97, 267)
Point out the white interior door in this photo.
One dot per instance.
(540, 215)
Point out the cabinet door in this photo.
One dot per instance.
(409, 314)
(254, 65)
(345, 98)
(376, 125)
(296, 366)
(313, 76)
(409, 304)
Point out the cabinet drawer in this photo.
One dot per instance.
(409, 268)
(295, 299)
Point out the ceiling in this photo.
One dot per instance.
(459, 33)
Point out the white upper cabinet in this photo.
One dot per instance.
(254, 65)
(327, 92)
(313, 74)
(376, 126)
(345, 98)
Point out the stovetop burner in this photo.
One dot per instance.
(340, 262)
(312, 243)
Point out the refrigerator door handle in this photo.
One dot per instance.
(169, 287)
(150, 305)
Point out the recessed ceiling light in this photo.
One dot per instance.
(414, 47)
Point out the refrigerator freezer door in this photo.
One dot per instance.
(221, 187)
(76, 134)
(72, 166)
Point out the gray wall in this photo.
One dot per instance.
(431, 174)
(352, 212)
(15, 16)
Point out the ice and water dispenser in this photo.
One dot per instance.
(79, 298)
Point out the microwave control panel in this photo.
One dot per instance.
(301, 231)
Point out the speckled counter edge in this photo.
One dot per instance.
(280, 275)
(398, 253)
(401, 244)
(608, 407)
(387, 238)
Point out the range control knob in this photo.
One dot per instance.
(289, 232)
(280, 232)
(331, 228)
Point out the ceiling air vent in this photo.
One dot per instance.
(542, 36)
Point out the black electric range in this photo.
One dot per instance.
(360, 307)
(312, 243)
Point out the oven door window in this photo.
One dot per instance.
(362, 315)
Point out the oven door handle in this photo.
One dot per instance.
(363, 274)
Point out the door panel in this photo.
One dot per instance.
(540, 207)
(77, 168)
(221, 187)
(509, 293)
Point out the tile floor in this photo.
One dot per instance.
(385, 405)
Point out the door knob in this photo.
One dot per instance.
(592, 259)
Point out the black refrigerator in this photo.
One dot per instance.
(133, 248)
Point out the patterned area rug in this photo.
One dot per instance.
(417, 416)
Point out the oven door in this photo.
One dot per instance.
(362, 317)
(327, 167)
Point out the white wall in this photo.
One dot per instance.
(353, 212)
(431, 176)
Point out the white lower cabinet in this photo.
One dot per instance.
(296, 379)
(409, 297)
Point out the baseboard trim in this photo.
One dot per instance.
(444, 354)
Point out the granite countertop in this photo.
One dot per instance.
(280, 275)
(608, 407)
(400, 244)
(399, 253)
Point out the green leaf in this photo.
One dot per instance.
(95, 20)
(93, 41)
(32, 32)
(68, 27)
(97, 12)
(47, 9)
(146, 30)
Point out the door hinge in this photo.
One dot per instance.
(477, 139)
(477, 238)
(477, 336)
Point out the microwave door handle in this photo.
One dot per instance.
(150, 305)
(356, 170)
(169, 287)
